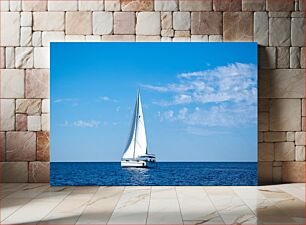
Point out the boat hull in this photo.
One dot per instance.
(138, 163)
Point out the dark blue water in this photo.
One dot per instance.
(165, 174)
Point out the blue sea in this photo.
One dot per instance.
(165, 174)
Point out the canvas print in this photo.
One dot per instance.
(153, 114)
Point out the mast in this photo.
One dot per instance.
(136, 115)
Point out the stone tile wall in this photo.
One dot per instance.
(28, 26)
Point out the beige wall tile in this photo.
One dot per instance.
(300, 138)
(273, 5)
(14, 171)
(41, 57)
(203, 5)
(112, 5)
(261, 28)
(28, 106)
(293, 172)
(265, 152)
(10, 28)
(181, 21)
(279, 32)
(45, 119)
(39, 172)
(78, 23)
(34, 123)
(25, 36)
(88, 5)
(102, 22)
(227, 5)
(24, 57)
(206, 23)
(166, 20)
(170, 5)
(284, 151)
(124, 22)
(137, 5)
(34, 5)
(48, 21)
(300, 153)
(12, 83)
(26, 19)
(7, 114)
(46, 105)
(43, 146)
(238, 26)
(281, 83)
(21, 122)
(52, 36)
(56, 5)
(275, 136)
(285, 115)
(37, 83)
(20, 146)
(148, 23)
(253, 5)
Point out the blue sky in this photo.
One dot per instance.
(199, 100)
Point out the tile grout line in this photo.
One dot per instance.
(116, 205)
(55, 207)
(248, 205)
(178, 201)
(30, 200)
(87, 204)
(149, 205)
(213, 205)
(18, 189)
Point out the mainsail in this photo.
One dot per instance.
(137, 141)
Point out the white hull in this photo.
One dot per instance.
(138, 163)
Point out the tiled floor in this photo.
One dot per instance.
(41, 204)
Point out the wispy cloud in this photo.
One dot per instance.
(203, 132)
(73, 101)
(234, 82)
(225, 96)
(107, 99)
(104, 98)
(216, 116)
(82, 123)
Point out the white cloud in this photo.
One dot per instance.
(82, 123)
(203, 132)
(216, 116)
(106, 98)
(234, 82)
(225, 96)
(63, 100)
(168, 115)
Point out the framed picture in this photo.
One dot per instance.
(153, 114)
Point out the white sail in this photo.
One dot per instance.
(129, 149)
(140, 137)
(137, 141)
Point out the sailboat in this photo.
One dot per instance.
(136, 151)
